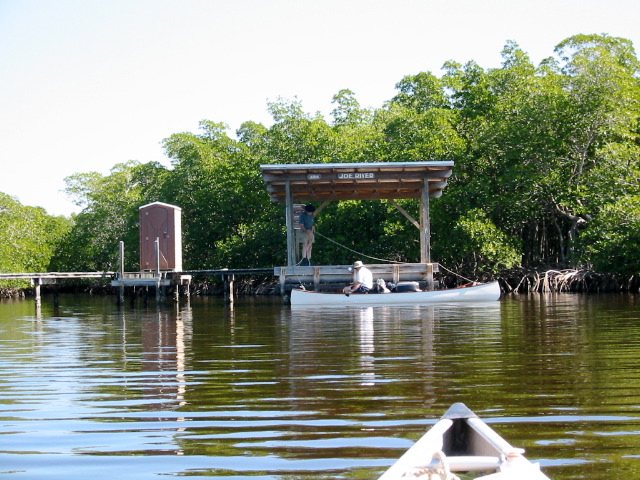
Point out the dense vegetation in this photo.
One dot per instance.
(546, 175)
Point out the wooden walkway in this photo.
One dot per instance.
(157, 280)
(319, 277)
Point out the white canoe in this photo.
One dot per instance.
(461, 442)
(486, 292)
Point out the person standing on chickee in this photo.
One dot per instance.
(307, 218)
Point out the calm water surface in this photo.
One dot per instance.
(269, 392)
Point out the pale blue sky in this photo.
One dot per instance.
(87, 84)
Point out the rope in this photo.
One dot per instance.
(456, 274)
(356, 252)
(438, 471)
(298, 276)
(384, 259)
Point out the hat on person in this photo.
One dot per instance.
(358, 264)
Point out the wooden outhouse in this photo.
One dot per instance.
(161, 223)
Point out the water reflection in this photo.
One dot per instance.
(406, 348)
(367, 338)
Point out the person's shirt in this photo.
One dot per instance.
(306, 220)
(365, 277)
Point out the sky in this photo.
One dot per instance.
(88, 84)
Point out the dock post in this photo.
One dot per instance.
(121, 275)
(291, 245)
(120, 300)
(425, 237)
(159, 289)
(163, 294)
(56, 296)
(227, 280)
(430, 270)
(37, 282)
(283, 284)
(396, 273)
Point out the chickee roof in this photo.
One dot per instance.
(356, 181)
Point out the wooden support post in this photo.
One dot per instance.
(316, 278)
(120, 300)
(425, 234)
(37, 282)
(283, 284)
(121, 259)
(56, 297)
(405, 213)
(291, 243)
(227, 280)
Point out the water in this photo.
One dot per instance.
(269, 392)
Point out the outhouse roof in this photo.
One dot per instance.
(356, 181)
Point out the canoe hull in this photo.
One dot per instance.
(486, 292)
(462, 442)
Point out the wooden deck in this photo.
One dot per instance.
(327, 276)
(145, 279)
(52, 276)
(320, 277)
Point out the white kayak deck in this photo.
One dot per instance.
(462, 442)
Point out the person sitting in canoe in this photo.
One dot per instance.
(363, 281)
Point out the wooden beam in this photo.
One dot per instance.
(291, 244)
(324, 204)
(306, 178)
(425, 241)
(354, 192)
(404, 212)
(331, 274)
(425, 234)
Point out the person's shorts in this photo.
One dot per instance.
(362, 289)
(308, 236)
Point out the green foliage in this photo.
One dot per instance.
(611, 242)
(547, 147)
(492, 249)
(546, 168)
(357, 230)
(28, 237)
(227, 216)
(413, 136)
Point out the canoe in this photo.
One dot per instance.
(486, 292)
(461, 442)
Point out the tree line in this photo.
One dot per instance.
(546, 176)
